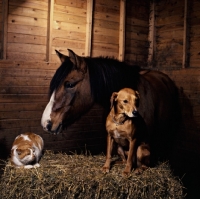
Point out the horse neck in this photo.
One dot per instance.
(108, 76)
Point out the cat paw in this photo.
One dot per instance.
(28, 166)
(36, 165)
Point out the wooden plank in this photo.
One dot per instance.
(30, 21)
(5, 27)
(106, 16)
(24, 29)
(69, 26)
(20, 115)
(89, 24)
(24, 89)
(185, 37)
(109, 39)
(29, 12)
(23, 56)
(28, 65)
(72, 3)
(30, 48)
(97, 53)
(40, 5)
(105, 31)
(105, 47)
(49, 30)
(22, 98)
(23, 72)
(67, 43)
(24, 106)
(17, 123)
(68, 34)
(70, 10)
(106, 24)
(28, 39)
(68, 18)
(122, 30)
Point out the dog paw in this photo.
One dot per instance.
(140, 170)
(125, 173)
(105, 169)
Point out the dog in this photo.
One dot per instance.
(127, 129)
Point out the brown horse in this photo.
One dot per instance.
(81, 81)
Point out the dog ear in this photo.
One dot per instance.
(113, 97)
(138, 98)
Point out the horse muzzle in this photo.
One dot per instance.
(48, 127)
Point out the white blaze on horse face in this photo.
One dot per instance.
(47, 112)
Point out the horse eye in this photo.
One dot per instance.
(125, 101)
(68, 85)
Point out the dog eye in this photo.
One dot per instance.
(18, 152)
(125, 101)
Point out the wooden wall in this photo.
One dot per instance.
(31, 32)
(137, 30)
(174, 49)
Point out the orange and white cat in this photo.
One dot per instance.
(27, 150)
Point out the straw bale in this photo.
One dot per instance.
(80, 176)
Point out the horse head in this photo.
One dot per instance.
(70, 93)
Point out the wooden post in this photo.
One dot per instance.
(185, 36)
(88, 41)
(5, 28)
(152, 35)
(49, 30)
(122, 30)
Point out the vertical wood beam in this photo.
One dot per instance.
(152, 36)
(89, 23)
(5, 28)
(185, 35)
(49, 30)
(122, 32)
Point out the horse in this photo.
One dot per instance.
(80, 82)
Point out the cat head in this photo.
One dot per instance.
(25, 155)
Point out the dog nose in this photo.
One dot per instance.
(135, 113)
(49, 125)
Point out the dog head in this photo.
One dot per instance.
(125, 102)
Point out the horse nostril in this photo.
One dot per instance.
(49, 125)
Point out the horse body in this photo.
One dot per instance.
(81, 81)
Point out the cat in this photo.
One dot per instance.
(27, 150)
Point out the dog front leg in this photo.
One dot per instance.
(129, 163)
(106, 166)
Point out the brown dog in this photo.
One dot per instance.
(127, 128)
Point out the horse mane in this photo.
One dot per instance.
(60, 75)
(106, 76)
(109, 75)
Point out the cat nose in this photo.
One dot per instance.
(49, 125)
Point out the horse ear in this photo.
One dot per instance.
(61, 56)
(76, 60)
(113, 98)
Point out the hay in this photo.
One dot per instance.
(80, 176)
